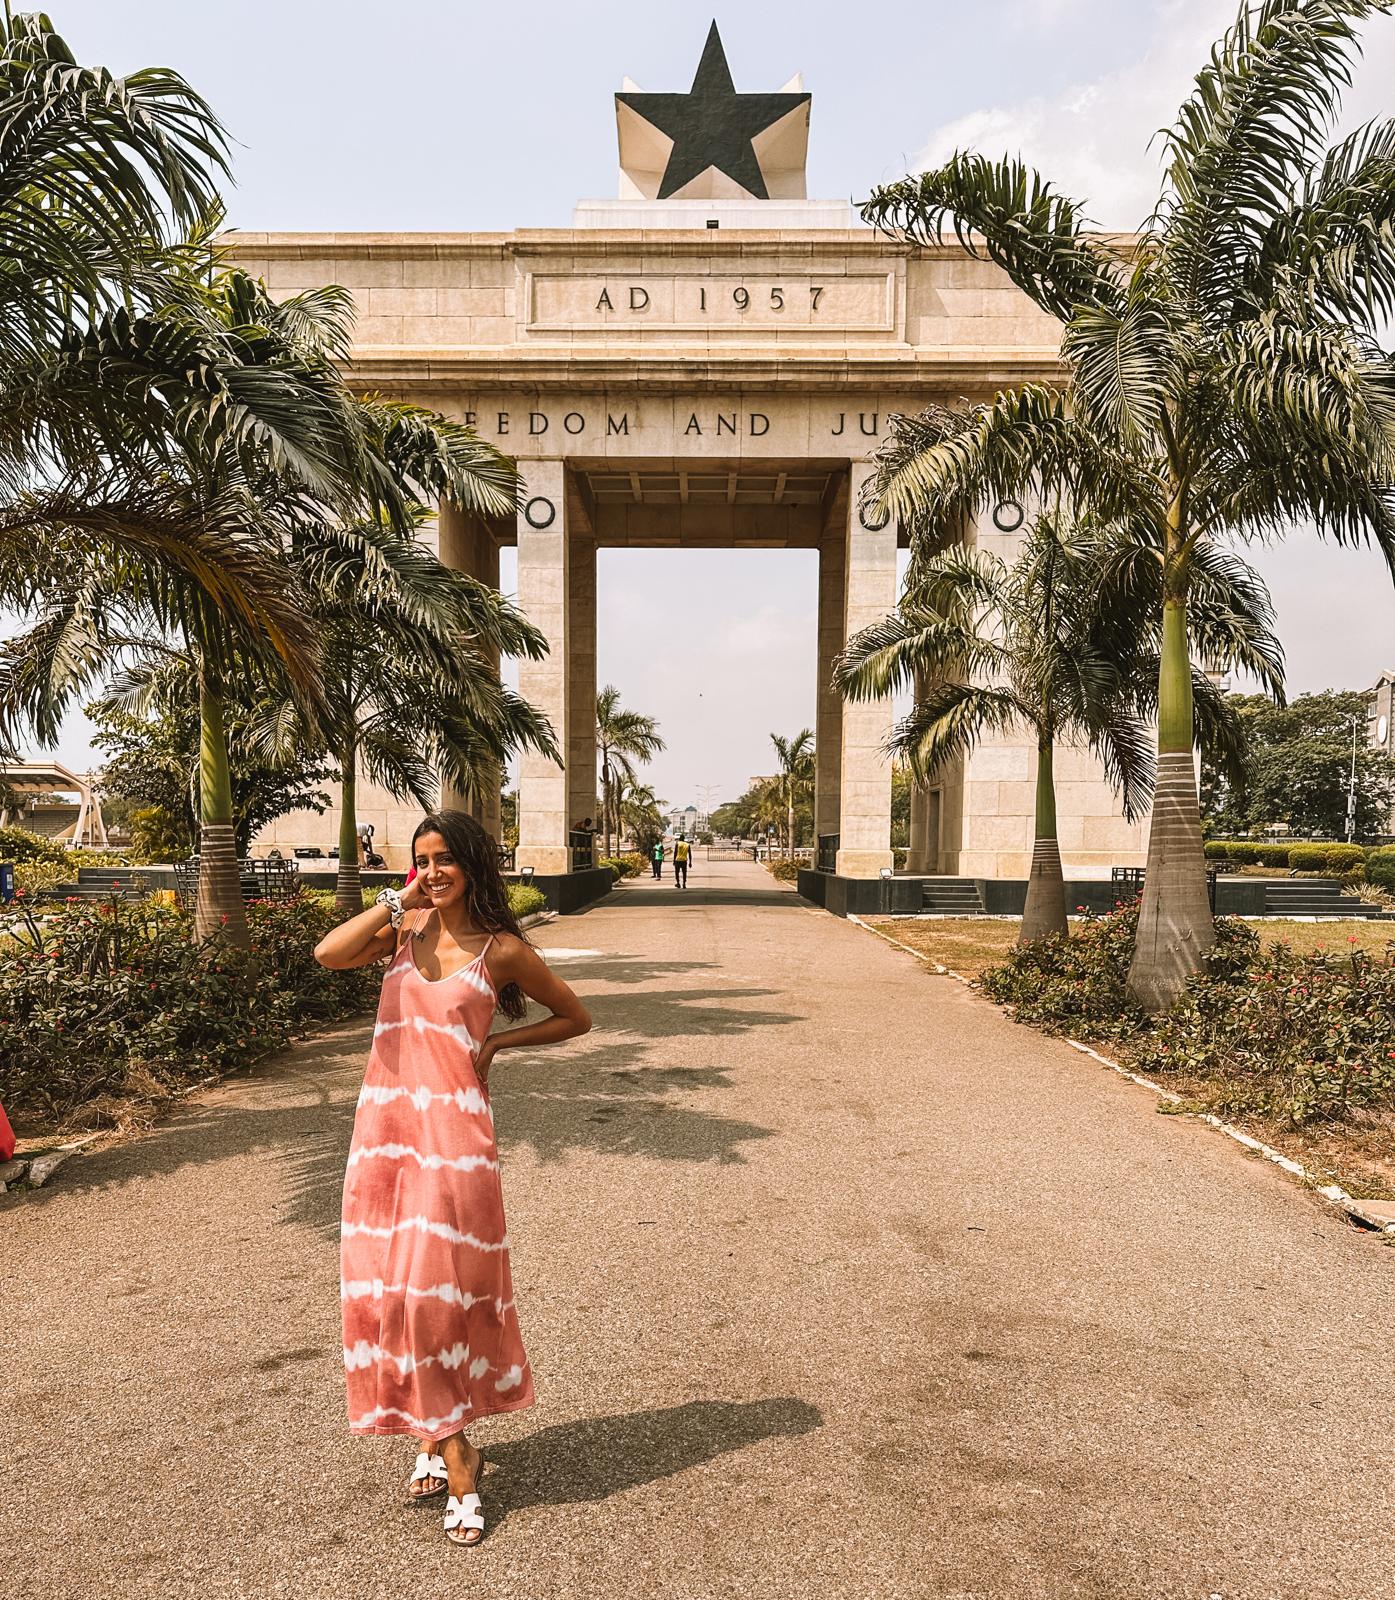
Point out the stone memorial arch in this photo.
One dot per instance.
(707, 361)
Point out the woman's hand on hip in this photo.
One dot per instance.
(484, 1059)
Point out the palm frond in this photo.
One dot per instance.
(1260, 109)
(1006, 212)
(948, 721)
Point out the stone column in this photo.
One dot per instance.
(864, 822)
(488, 806)
(918, 855)
(581, 680)
(542, 595)
(828, 728)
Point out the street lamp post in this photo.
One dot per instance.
(1351, 785)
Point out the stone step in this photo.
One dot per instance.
(957, 896)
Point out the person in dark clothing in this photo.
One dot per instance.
(657, 857)
(680, 863)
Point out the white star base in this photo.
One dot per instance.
(744, 213)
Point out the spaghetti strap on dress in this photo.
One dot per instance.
(431, 1337)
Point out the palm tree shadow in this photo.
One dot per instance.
(582, 1462)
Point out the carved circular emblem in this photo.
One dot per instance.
(873, 524)
(539, 513)
(1008, 516)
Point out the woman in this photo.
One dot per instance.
(431, 1338)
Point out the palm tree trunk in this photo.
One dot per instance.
(218, 906)
(348, 884)
(1175, 927)
(605, 795)
(1044, 914)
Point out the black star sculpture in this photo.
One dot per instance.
(712, 125)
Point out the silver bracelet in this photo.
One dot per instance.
(393, 901)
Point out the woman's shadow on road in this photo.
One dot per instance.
(595, 1457)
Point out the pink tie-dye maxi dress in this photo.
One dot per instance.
(431, 1339)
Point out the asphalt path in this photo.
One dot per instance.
(834, 1281)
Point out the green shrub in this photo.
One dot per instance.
(524, 899)
(632, 864)
(38, 877)
(1217, 850)
(97, 991)
(1308, 857)
(20, 845)
(1077, 984)
(1380, 867)
(1274, 855)
(1349, 860)
(1301, 1038)
(617, 871)
(785, 870)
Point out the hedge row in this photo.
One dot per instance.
(630, 865)
(1316, 856)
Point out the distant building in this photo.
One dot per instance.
(687, 823)
(45, 797)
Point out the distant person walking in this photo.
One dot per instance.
(680, 863)
(656, 855)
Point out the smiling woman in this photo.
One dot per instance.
(431, 1336)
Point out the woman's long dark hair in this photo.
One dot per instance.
(486, 896)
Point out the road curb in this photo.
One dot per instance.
(1332, 1193)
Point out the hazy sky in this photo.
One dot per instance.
(468, 116)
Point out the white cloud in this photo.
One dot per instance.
(1096, 140)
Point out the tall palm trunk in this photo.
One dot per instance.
(1044, 914)
(1175, 927)
(219, 904)
(607, 801)
(348, 883)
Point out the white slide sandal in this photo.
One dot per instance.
(461, 1515)
(427, 1467)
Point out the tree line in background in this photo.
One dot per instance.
(1297, 769)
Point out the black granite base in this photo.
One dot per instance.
(571, 891)
(1002, 897)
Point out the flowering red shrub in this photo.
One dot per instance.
(1304, 1038)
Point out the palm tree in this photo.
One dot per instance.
(640, 814)
(769, 797)
(1064, 643)
(372, 452)
(796, 758)
(622, 738)
(411, 695)
(107, 202)
(1226, 376)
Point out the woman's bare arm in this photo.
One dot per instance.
(366, 938)
(515, 961)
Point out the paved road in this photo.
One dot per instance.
(835, 1283)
